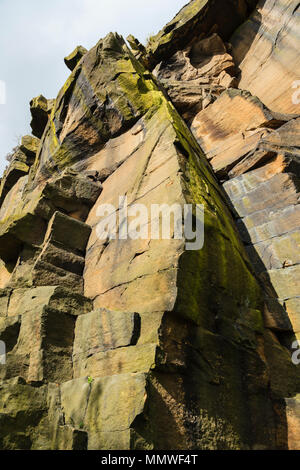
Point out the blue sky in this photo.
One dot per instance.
(36, 35)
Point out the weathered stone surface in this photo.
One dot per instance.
(258, 149)
(72, 59)
(278, 253)
(233, 126)
(117, 361)
(74, 136)
(205, 58)
(105, 407)
(70, 438)
(43, 348)
(266, 49)
(73, 193)
(205, 362)
(276, 316)
(57, 255)
(22, 411)
(197, 18)
(284, 281)
(100, 331)
(9, 331)
(114, 153)
(29, 146)
(21, 160)
(255, 158)
(68, 232)
(24, 300)
(280, 365)
(282, 143)
(117, 271)
(47, 274)
(12, 174)
(267, 224)
(258, 197)
(195, 77)
(4, 301)
(266, 200)
(136, 46)
(21, 221)
(293, 308)
(58, 261)
(25, 213)
(40, 109)
(190, 96)
(286, 138)
(293, 420)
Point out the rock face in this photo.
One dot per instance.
(198, 18)
(142, 342)
(238, 129)
(40, 109)
(266, 49)
(196, 76)
(72, 59)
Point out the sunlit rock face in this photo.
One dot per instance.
(266, 49)
(252, 144)
(142, 343)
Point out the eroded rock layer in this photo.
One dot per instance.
(142, 343)
(266, 49)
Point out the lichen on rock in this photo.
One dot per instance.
(141, 343)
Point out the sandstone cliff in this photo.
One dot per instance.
(144, 344)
